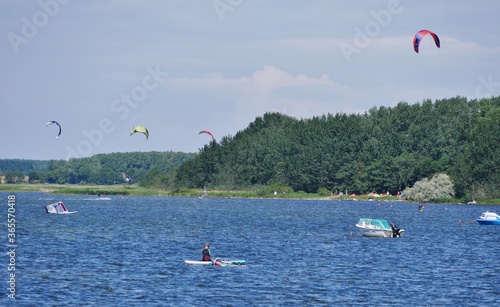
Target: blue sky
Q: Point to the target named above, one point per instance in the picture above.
(178, 67)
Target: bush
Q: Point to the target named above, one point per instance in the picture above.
(324, 192)
(439, 186)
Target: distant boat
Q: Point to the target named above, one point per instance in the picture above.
(58, 208)
(378, 228)
(489, 218)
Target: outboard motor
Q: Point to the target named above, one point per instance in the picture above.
(396, 232)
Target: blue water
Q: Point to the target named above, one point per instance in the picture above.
(130, 251)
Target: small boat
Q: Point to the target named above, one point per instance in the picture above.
(378, 228)
(58, 208)
(217, 262)
(489, 218)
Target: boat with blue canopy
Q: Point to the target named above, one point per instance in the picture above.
(378, 228)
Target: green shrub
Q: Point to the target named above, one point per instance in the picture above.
(438, 187)
(324, 192)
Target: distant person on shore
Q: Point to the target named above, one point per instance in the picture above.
(206, 255)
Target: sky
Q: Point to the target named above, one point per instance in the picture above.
(178, 67)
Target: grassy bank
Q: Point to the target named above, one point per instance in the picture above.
(140, 191)
(81, 189)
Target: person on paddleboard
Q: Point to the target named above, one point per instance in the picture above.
(206, 256)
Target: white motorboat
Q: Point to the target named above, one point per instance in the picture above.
(378, 228)
(489, 218)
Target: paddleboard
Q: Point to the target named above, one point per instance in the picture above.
(224, 262)
(217, 262)
(198, 262)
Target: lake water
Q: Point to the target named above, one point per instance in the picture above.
(130, 251)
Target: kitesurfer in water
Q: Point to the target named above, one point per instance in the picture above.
(206, 256)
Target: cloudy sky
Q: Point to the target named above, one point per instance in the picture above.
(181, 66)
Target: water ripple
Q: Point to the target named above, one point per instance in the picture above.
(129, 251)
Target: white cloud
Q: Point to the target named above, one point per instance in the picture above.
(267, 89)
(267, 79)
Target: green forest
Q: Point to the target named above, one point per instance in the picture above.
(23, 166)
(386, 149)
(102, 169)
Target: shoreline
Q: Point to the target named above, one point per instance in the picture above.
(134, 190)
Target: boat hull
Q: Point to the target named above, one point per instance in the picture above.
(489, 218)
(485, 222)
(376, 233)
(378, 228)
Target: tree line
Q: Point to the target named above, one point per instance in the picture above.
(112, 168)
(386, 149)
(23, 166)
(16, 170)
